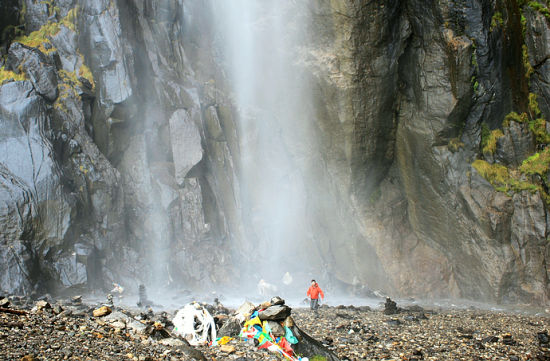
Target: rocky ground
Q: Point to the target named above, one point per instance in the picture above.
(68, 330)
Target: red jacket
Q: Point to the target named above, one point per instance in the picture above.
(314, 291)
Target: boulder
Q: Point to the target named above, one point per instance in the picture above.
(172, 342)
(231, 328)
(275, 313)
(245, 309)
(309, 347)
(276, 329)
(136, 326)
(228, 349)
(117, 316)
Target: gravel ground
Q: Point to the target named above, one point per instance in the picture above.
(64, 331)
(446, 335)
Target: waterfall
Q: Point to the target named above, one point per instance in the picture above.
(260, 42)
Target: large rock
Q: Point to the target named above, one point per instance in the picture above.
(275, 313)
(102, 34)
(38, 68)
(517, 144)
(310, 347)
(32, 204)
(231, 328)
(186, 143)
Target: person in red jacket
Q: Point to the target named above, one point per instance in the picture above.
(313, 292)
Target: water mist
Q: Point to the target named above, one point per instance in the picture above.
(260, 43)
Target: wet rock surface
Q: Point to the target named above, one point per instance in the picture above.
(56, 330)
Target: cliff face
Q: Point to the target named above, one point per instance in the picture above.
(425, 84)
(122, 153)
(114, 158)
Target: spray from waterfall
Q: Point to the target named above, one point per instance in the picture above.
(260, 42)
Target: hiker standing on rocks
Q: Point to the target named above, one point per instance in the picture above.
(313, 292)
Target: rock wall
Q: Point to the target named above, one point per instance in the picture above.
(105, 172)
(121, 147)
(423, 85)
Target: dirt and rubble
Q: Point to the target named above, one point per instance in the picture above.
(68, 330)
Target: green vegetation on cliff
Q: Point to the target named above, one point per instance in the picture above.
(504, 179)
(8, 75)
(514, 117)
(489, 144)
(538, 163)
(455, 145)
(85, 72)
(510, 180)
(496, 20)
(541, 8)
(40, 38)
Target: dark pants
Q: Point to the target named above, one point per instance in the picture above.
(314, 304)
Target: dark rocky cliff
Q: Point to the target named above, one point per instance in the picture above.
(121, 160)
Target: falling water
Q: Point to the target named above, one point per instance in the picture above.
(260, 44)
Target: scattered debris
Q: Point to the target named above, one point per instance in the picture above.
(347, 332)
(195, 324)
(13, 312)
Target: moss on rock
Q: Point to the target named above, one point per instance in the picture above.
(490, 143)
(8, 75)
(538, 163)
(40, 38)
(504, 179)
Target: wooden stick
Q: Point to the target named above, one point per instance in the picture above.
(14, 312)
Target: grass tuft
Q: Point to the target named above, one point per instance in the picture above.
(538, 163)
(490, 145)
